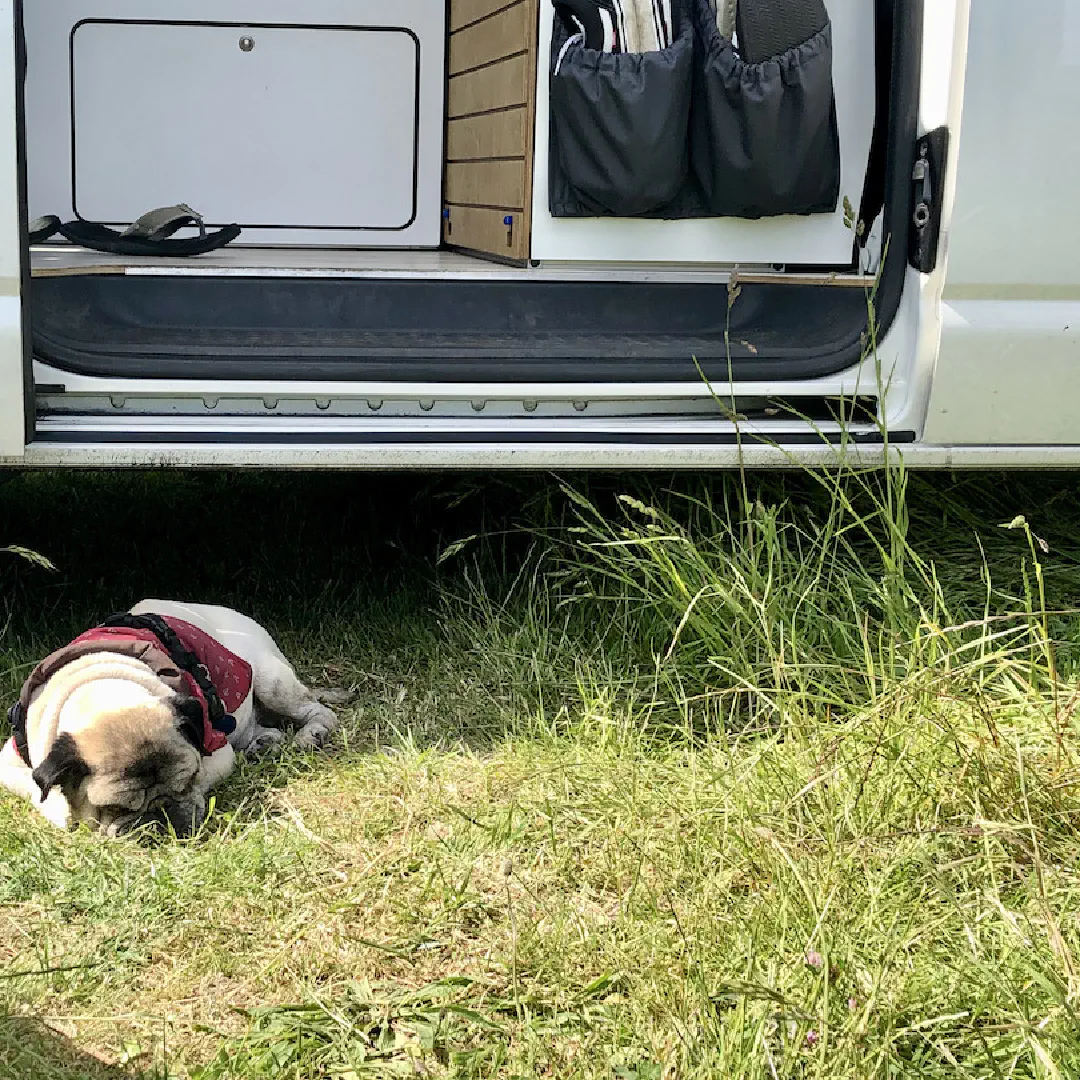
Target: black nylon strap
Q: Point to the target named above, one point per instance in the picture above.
(17, 720)
(40, 229)
(180, 655)
(89, 234)
(873, 195)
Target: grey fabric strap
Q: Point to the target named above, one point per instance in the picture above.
(163, 222)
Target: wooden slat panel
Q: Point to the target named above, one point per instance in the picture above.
(477, 229)
(492, 135)
(491, 113)
(486, 183)
(464, 12)
(534, 51)
(501, 35)
(510, 82)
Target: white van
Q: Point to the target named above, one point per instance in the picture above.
(464, 242)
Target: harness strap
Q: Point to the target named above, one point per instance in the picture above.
(184, 659)
(17, 720)
(153, 643)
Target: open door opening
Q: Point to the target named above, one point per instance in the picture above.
(417, 204)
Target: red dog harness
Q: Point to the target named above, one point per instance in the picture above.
(221, 672)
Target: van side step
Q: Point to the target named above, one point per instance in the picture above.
(389, 433)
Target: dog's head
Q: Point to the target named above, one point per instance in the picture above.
(132, 765)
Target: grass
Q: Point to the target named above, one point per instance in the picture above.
(765, 777)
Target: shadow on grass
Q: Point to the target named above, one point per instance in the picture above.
(31, 1050)
(344, 569)
(340, 568)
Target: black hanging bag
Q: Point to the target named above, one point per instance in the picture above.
(764, 138)
(619, 125)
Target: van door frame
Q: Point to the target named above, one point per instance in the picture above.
(16, 365)
(941, 103)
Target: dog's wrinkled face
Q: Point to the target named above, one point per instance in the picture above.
(131, 767)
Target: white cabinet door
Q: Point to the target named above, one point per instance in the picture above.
(306, 128)
(13, 358)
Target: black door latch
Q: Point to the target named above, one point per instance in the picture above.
(928, 184)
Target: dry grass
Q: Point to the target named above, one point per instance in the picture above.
(532, 855)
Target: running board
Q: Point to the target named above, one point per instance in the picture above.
(274, 432)
(121, 405)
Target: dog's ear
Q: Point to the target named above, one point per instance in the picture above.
(63, 767)
(189, 718)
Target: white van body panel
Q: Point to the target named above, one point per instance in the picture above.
(12, 423)
(1008, 373)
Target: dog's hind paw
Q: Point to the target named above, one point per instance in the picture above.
(266, 741)
(313, 736)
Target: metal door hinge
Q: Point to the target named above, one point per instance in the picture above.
(928, 185)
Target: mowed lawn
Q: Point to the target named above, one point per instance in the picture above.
(668, 777)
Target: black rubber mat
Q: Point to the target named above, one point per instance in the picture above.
(348, 329)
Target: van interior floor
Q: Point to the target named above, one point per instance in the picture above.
(432, 316)
(59, 260)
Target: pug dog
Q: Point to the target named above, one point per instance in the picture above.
(133, 723)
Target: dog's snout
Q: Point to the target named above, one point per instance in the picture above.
(121, 824)
(181, 818)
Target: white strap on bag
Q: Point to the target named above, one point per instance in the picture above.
(574, 39)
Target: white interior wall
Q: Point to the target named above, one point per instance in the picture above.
(163, 118)
(324, 116)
